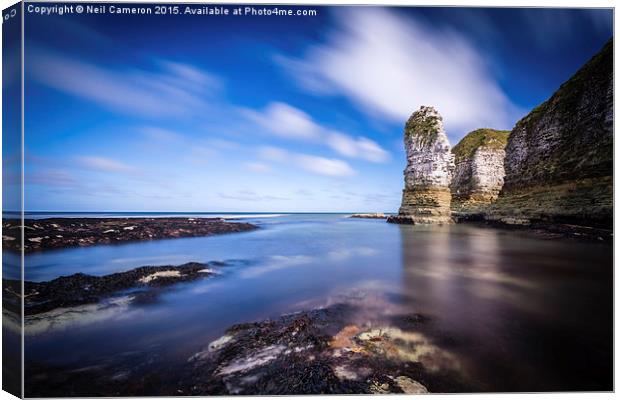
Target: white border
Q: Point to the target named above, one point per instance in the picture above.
(458, 3)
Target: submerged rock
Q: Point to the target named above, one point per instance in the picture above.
(430, 164)
(559, 158)
(479, 173)
(79, 289)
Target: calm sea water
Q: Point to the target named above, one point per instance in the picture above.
(521, 313)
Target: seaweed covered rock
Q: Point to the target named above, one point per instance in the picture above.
(430, 163)
(56, 233)
(559, 158)
(479, 170)
(321, 351)
(79, 288)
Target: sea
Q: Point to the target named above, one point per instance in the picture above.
(518, 311)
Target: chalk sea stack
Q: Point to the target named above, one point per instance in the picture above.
(430, 163)
(479, 172)
(559, 158)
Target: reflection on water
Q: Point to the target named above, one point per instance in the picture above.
(513, 312)
(524, 314)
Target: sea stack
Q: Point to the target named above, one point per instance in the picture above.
(479, 172)
(430, 163)
(559, 158)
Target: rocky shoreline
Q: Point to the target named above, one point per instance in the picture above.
(369, 216)
(56, 233)
(79, 289)
(540, 229)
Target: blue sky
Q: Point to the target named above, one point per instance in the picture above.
(195, 113)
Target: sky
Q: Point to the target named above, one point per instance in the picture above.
(298, 114)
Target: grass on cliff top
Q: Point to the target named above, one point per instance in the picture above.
(426, 127)
(485, 137)
(599, 66)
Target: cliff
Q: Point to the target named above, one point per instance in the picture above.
(559, 158)
(479, 172)
(430, 163)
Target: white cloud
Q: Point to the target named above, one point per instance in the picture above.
(175, 90)
(51, 178)
(287, 121)
(324, 166)
(390, 65)
(283, 120)
(318, 165)
(106, 165)
(190, 76)
(360, 147)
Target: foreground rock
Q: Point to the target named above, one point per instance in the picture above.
(559, 158)
(430, 163)
(318, 352)
(79, 289)
(479, 173)
(54, 233)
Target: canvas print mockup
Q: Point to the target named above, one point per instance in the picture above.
(226, 199)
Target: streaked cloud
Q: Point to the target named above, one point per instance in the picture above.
(104, 164)
(359, 147)
(324, 166)
(315, 164)
(56, 178)
(172, 90)
(286, 121)
(188, 76)
(389, 65)
(289, 122)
